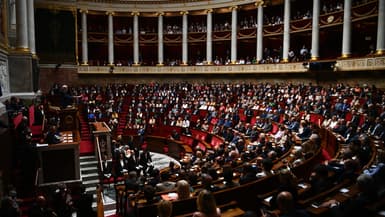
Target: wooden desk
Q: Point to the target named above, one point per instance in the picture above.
(60, 162)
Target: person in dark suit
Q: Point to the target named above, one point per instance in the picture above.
(121, 165)
(84, 204)
(287, 207)
(306, 131)
(107, 167)
(248, 174)
(53, 136)
(39, 115)
(378, 130)
(40, 208)
(175, 135)
(131, 182)
(145, 160)
(293, 125)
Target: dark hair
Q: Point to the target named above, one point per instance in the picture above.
(267, 164)
(149, 193)
(206, 202)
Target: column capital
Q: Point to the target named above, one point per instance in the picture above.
(135, 13)
(183, 12)
(160, 13)
(208, 11)
(234, 7)
(83, 11)
(259, 3)
(110, 13)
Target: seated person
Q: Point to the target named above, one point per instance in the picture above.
(165, 184)
(228, 176)
(175, 135)
(267, 166)
(248, 174)
(206, 205)
(164, 208)
(53, 136)
(183, 189)
(286, 206)
(356, 206)
(319, 181)
(149, 194)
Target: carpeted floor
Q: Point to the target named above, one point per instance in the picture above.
(86, 144)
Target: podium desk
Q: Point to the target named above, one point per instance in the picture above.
(59, 163)
(102, 135)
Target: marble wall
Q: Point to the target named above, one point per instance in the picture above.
(4, 74)
(20, 73)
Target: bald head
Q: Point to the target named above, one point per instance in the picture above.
(285, 201)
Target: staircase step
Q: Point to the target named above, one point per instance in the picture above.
(89, 176)
(91, 189)
(88, 169)
(91, 182)
(88, 163)
(87, 158)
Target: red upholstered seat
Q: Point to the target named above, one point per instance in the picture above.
(187, 140)
(316, 119)
(274, 130)
(17, 120)
(36, 130)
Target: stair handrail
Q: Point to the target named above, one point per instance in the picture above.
(100, 201)
(37, 176)
(99, 155)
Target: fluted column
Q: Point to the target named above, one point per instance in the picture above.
(260, 32)
(110, 38)
(136, 38)
(234, 34)
(84, 37)
(347, 30)
(380, 48)
(286, 32)
(160, 39)
(184, 38)
(31, 26)
(209, 37)
(315, 31)
(21, 26)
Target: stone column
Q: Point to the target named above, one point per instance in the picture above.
(136, 38)
(380, 48)
(184, 38)
(286, 32)
(21, 26)
(347, 30)
(110, 38)
(209, 37)
(160, 39)
(234, 28)
(260, 32)
(31, 26)
(84, 38)
(315, 31)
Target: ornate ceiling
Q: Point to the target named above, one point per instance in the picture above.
(151, 5)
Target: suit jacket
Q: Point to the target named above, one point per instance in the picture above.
(306, 133)
(39, 117)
